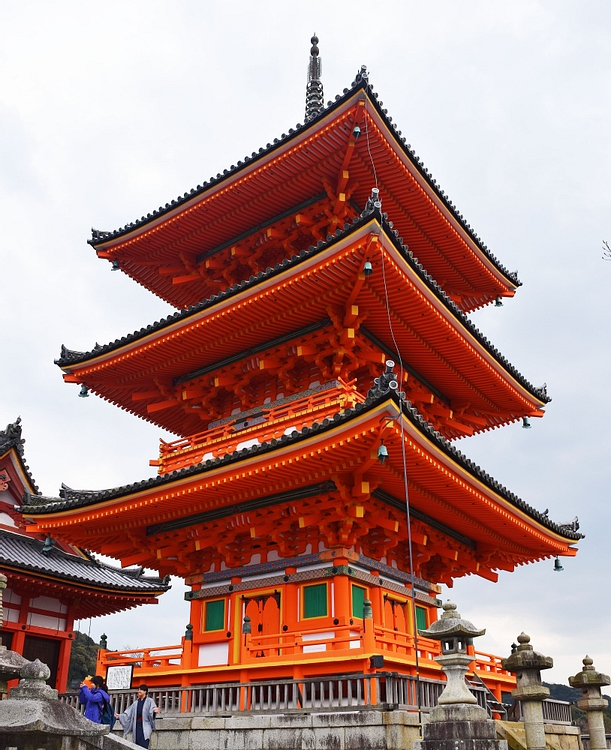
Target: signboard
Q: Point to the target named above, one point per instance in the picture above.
(119, 677)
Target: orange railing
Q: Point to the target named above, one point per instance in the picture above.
(321, 644)
(271, 421)
(400, 642)
(489, 664)
(161, 657)
(304, 643)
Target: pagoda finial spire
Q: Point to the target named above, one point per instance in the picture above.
(314, 92)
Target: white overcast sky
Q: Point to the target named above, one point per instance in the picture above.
(109, 110)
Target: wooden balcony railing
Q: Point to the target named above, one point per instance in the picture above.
(346, 692)
(325, 641)
(380, 691)
(489, 663)
(260, 425)
(554, 712)
(162, 657)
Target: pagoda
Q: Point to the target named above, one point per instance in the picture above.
(52, 583)
(318, 369)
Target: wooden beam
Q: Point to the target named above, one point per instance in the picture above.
(160, 405)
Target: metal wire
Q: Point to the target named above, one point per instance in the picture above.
(403, 454)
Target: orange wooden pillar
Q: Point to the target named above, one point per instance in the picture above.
(368, 631)
(289, 616)
(342, 607)
(63, 663)
(377, 605)
(234, 625)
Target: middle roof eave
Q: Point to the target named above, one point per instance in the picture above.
(377, 403)
(74, 363)
(184, 210)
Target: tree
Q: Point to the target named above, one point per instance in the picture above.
(82, 659)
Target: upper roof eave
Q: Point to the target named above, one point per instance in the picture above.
(375, 399)
(105, 240)
(69, 359)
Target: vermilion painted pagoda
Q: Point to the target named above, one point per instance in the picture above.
(52, 583)
(313, 498)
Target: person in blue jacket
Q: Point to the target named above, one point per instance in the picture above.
(94, 699)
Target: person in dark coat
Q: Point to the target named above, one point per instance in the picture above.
(139, 719)
(94, 699)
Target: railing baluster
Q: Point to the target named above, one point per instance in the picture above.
(338, 692)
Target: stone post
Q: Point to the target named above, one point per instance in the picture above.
(590, 681)
(527, 664)
(457, 721)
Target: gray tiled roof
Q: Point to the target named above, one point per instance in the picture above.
(68, 357)
(23, 552)
(74, 498)
(361, 82)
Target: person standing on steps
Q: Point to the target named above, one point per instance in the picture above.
(139, 719)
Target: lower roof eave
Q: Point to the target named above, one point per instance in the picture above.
(551, 539)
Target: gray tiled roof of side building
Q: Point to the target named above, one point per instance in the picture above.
(23, 552)
(11, 438)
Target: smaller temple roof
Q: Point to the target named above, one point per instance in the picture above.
(18, 551)
(27, 556)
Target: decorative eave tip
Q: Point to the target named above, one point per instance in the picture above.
(11, 437)
(315, 101)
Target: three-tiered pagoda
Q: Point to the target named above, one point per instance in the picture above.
(316, 373)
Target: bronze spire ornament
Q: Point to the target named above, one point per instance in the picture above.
(314, 91)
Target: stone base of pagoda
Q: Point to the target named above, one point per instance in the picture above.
(374, 730)
(464, 726)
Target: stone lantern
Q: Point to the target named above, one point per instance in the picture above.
(590, 681)
(454, 633)
(457, 720)
(526, 664)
